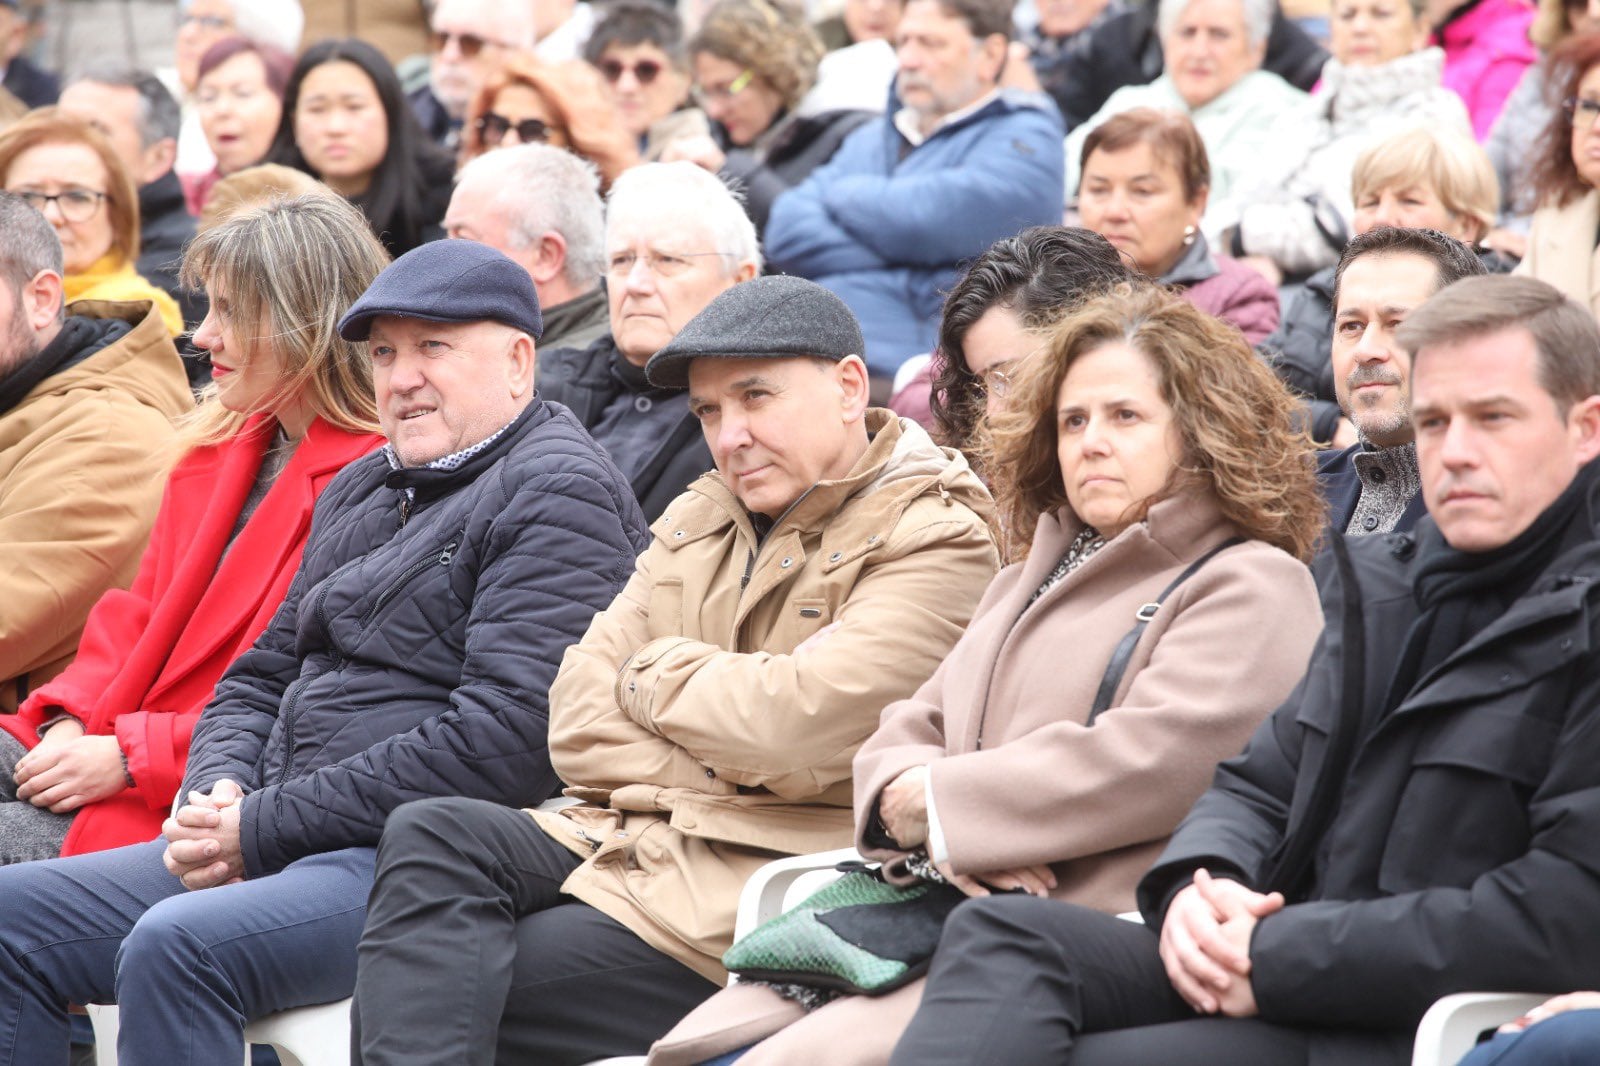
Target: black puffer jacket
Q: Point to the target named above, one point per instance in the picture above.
(1301, 352)
(413, 655)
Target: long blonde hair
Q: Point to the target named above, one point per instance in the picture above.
(1235, 418)
(290, 269)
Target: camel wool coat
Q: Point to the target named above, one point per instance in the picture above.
(1017, 775)
(1562, 249)
(703, 732)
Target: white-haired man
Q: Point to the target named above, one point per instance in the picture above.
(469, 40)
(675, 239)
(540, 207)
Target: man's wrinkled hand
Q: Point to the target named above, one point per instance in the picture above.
(1202, 961)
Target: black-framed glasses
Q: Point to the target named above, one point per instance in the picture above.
(75, 205)
(645, 71)
(1581, 111)
(470, 44)
(493, 128)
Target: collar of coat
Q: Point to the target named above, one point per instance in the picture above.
(430, 482)
(901, 457)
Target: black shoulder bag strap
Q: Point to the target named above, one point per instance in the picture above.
(1119, 658)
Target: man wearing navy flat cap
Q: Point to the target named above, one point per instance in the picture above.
(707, 719)
(443, 579)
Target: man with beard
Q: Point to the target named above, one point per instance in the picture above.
(1372, 486)
(86, 402)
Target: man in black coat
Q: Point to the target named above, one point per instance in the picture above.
(1418, 819)
(443, 579)
(1372, 484)
(19, 75)
(675, 239)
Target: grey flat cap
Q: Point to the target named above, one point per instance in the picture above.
(766, 318)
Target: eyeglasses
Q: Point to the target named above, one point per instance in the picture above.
(999, 377)
(75, 205)
(492, 128)
(733, 88)
(661, 264)
(645, 71)
(1581, 111)
(206, 22)
(469, 44)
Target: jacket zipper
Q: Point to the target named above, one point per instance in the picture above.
(442, 559)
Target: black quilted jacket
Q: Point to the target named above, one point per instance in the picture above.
(414, 651)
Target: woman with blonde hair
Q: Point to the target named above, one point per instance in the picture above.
(290, 405)
(68, 171)
(562, 105)
(1161, 509)
(1420, 178)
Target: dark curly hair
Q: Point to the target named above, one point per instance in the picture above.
(1555, 176)
(1040, 274)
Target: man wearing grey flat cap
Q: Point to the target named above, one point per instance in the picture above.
(443, 578)
(706, 721)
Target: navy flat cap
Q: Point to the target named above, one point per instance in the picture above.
(764, 318)
(448, 281)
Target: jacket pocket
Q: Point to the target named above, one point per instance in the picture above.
(666, 608)
(800, 619)
(1464, 808)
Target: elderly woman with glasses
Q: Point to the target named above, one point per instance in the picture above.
(68, 171)
(1562, 244)
(754, 62)
(562, 105)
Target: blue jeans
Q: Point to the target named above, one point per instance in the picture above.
(188, 969)
(1570, 1039)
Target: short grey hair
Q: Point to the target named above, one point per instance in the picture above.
(28, 244)
(160, 117)
(688, 192)
(1257, 17)
(540, 189)
(276, 22)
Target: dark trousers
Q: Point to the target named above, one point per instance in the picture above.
(1021, 980)
(472, 955)
(188, 969)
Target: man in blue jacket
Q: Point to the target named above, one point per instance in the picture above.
(443, 579)
(954, 165)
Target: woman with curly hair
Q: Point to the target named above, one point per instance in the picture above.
(1146, 467)
(1566, 178)
(559, 104)
(992, 319)
(754, 62)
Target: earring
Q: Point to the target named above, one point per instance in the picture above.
(1188, 236)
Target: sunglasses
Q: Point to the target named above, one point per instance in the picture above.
(645, 71)
(469, 44)
(492, 128)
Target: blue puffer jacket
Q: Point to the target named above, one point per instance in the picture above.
(887, 226)
(413, 654)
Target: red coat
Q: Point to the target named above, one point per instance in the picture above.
(151, 656)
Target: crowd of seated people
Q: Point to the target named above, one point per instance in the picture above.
(1093, 458)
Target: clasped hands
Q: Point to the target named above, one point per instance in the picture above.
(1205, 943)
(203, 838)
(903, 809)
(67, 770)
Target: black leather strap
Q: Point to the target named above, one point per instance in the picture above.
(1119, 658)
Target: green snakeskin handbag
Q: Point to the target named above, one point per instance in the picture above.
(860, 934)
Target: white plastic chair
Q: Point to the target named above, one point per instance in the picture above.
(1451, 1027)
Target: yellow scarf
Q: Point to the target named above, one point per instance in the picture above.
(112, 277)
